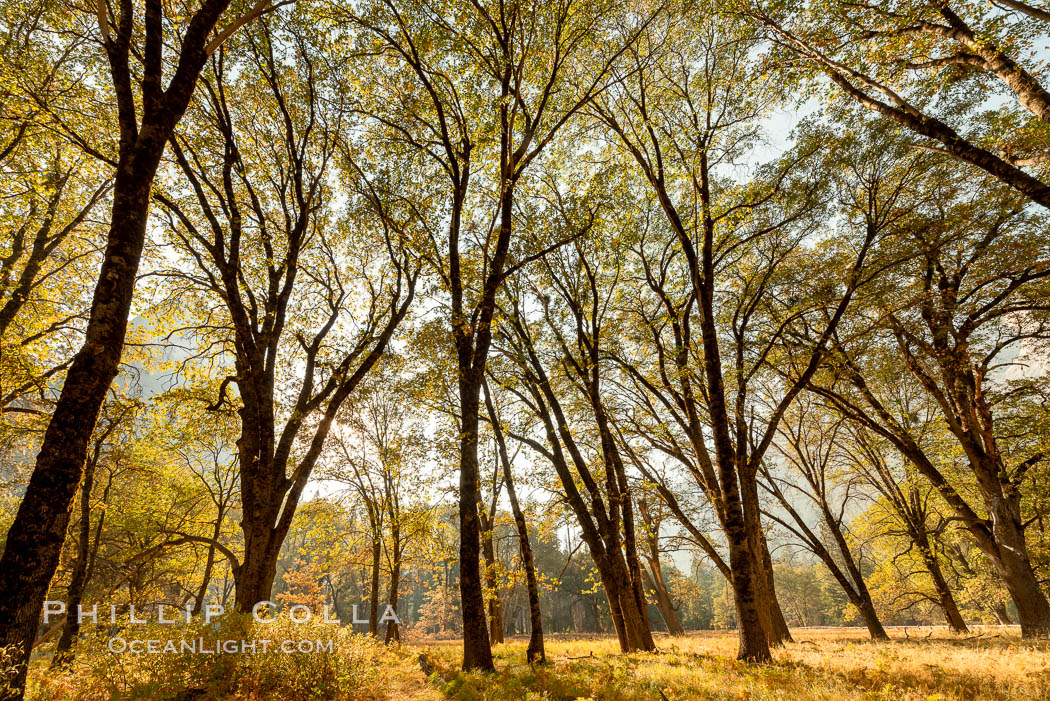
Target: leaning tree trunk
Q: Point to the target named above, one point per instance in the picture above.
(34, 541)
(535, 652)
(209, 568)
(1001, 614)
(1015, 568)
(944, 593)
(663, 599)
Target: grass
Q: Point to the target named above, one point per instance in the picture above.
(820, 664)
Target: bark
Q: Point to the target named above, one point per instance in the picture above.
(769, 611)
(477, 649)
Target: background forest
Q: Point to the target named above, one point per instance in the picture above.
(524, 317)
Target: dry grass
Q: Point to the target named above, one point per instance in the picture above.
(821, 664)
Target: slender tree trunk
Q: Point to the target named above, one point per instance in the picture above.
(78, 580)
(393, 631)
(1001, 614)
(535, 653)
(663, 599)
(864, 603)
(494, 604)
(209, 567)
(944, 592)
(373, 590)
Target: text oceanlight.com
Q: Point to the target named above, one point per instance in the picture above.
(200, 646)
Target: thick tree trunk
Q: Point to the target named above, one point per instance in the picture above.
(477, 649)
(1015, 568)
(770, 614)
(34, 541)
(255, 575)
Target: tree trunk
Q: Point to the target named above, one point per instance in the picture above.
(393, 631)
(209, 567)
(477, 649)
(1001, 614)
(777, 631)
(656, 582)
(944, 594)
(1015, 568)
(34, 541)
(254, 576)
(78, 580)
(373, 591)
(754, 645)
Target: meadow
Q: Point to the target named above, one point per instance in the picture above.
(923, 664)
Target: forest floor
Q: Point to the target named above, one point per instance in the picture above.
(917, 663)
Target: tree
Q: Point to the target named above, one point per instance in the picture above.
(684, 120)
(652, 517)
(973, 287)
(534, 653)
(542, 62)
(561, 367)
(811, 445)
(35, 538)
(916, 62)
(310, 296)
(908, 501)
(379, 453)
